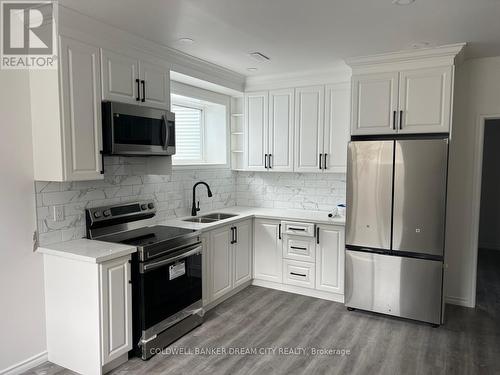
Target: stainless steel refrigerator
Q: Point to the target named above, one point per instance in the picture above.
(395, 227)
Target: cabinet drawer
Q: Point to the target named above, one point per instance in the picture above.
(298, 229)
(298, 273)
(299, 248)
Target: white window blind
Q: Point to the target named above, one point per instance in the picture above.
(188, 134)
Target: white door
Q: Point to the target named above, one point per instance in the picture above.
(256, 130)
(330, 259)
(267, 251)
(425, 100)
(242, 251)
(337, 127)
(374, 103)
(155, 85)
(116, 305)
(120, 78)
(81, 96)
(281, 105)
(220, 262)
(309, 121)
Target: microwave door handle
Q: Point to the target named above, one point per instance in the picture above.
(164, 132)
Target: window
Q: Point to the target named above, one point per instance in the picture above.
(200, 131)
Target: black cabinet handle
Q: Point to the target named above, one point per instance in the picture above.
(138, 97)
(320, 155)
(143, 82)
(270, 164)
(297, 274)
(299, 229)
(401, 120)
(317, 235)
(279, 232)
(232, 235)
(265, 162)
(324, 164)
(394, 114)
(102, 161)
(298, 248)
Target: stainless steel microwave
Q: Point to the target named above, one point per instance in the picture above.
(129, 129)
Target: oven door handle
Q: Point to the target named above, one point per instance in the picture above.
(151, 266)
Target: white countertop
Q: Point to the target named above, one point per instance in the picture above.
(97, 251)
(319, 217)
(87, 250)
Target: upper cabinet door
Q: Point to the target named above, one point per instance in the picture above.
(81, 97)
(256, 129)
(120, 75)
(281, 104)
(337, 134)
(425, 100)
(309, 123)
(374, 103)
(155, 85)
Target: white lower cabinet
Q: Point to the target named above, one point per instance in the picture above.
(330, 259)
(229, 259)
(88, 313)
(267, 250)
(298, 273)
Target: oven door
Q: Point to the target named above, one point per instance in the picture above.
(171, 289)
(136, 130)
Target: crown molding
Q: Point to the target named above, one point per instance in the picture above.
(338, 73)
(449, 51)
(80, 26)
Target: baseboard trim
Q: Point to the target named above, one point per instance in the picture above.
(25, 365)
(299, 290)
(459, 301)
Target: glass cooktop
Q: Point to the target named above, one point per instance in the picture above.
(147, 235)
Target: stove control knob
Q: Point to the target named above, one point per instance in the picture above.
(151, 206)
(107, 213)
(97, 214)
(144, 206)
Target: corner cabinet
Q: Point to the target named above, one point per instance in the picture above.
(229, 259)
(408, 92)
(66, 115)
(88, 313)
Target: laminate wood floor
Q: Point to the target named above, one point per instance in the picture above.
(468, 343)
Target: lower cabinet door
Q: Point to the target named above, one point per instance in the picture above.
(268, 250)
(298, 273)
(330, 259)
(242, 251)
(221, 262)
(116, 308)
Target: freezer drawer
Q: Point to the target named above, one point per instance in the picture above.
(406, 287)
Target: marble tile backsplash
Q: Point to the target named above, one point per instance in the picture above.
(125, 180)
(307, 191)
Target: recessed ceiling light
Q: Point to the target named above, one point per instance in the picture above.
(185, 40)
(259, 56)
(403, 2)
(252, 69)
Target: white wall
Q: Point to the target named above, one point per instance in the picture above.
(477, 94)
(489, 222)
(22, 319)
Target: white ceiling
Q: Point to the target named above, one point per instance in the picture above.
(300, 34)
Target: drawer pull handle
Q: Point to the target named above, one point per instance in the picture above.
(299, 229)
(298, 248)
(298, 274)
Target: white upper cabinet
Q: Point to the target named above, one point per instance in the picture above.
(337, 120)
(425, 100)
(374, 103)
(406, 92)
(132, 80)
(155, 85)
(120, 78)
(257, 130)
(280, 151)
(66, 115)
(309, 127)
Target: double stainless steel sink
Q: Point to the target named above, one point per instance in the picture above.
(211, 218)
